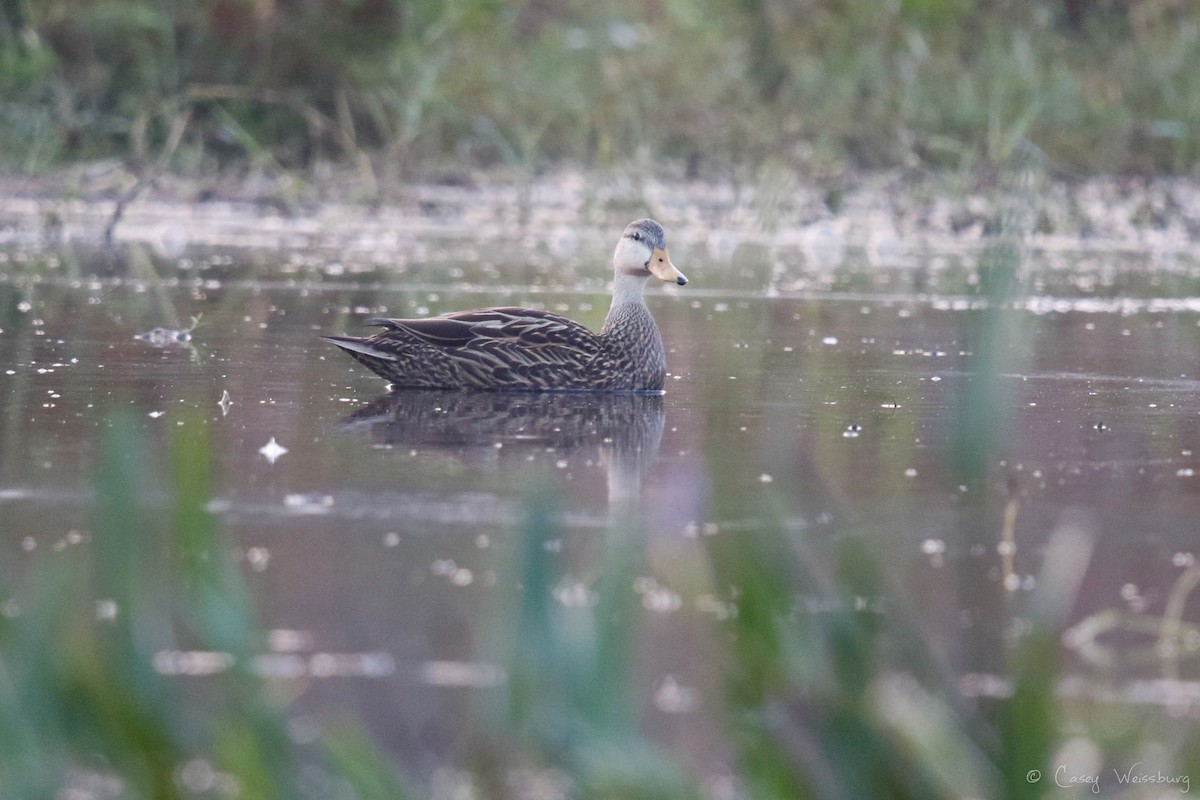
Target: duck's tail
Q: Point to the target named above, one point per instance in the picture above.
(355, 344)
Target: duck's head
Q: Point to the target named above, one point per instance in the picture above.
(642, 252)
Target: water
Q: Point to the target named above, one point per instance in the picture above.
(382, 538)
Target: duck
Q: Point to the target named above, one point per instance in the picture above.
(523, 349)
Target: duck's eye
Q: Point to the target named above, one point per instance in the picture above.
(637, 237)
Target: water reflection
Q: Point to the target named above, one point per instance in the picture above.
(507, 427)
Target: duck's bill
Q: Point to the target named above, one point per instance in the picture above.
(662, 268)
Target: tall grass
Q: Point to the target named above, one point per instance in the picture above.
(570, 702)
(83, 706)
(400, 89)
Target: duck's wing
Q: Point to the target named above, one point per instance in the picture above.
(518, 327)
(517, 347)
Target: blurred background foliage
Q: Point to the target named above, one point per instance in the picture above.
(405, 87)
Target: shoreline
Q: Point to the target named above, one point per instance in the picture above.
(892, 214)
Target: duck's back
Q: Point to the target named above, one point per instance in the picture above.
(494, 348)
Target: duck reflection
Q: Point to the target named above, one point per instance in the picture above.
(624, 428)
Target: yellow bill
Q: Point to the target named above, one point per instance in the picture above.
(662, 268)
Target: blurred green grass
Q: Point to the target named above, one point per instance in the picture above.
(846, 698)
(85, 711)
(409, 88)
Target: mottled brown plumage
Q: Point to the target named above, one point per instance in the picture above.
(524, 349)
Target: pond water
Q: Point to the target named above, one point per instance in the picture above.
(384, 538)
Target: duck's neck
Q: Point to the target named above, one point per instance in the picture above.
(631, 339)
(627, 293)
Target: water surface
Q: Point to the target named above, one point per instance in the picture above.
(383, 538)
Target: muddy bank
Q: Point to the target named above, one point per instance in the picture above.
(892, 215)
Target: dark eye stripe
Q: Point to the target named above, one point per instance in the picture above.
(638, 236)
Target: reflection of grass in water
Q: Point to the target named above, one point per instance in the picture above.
(80, 699)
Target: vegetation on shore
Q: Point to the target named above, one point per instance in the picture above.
(403, 89)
